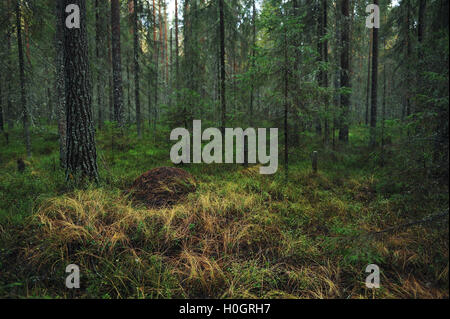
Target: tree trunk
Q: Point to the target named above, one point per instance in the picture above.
(81, 152)
(1, 106)
(50, 104)
(2, 124)
(420, 50)
(110, 75)
(345, 72)
(253, 61)
(324, 75)
(59, 83)
(222, 65)
(383, 107)
(99, 52)
(176, 50)
(285, 93)
(368, 80)
(296, 82)
(373, 107)
(116, 62)
(320, 32)
(187, 56)
(161, 39)
(9, 109)
(421, 21)
(166, 54)
(336, 80)
(25, 115)
(156, 60)
(136, 69)
(170, 59)
(408, 58)
(150, 68)
(127, 63)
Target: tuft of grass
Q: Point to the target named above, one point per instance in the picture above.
(239, 235)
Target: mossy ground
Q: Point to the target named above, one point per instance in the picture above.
(239, 235)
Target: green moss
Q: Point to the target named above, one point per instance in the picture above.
(296, 239)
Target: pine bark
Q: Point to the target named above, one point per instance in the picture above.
(23, 99)
(116, 62)
(128, 87)
(336, 77)
(253, 61)
(81, 160)
(2, 128)
(187, 55)
(2, 123)
(324, 58)
(100, 53)
(318, 9)
(150, 44)
(368, 80)
(59, 83)
(285, 93)
(383, 107)
(421, 21)
(10, 114)
(420, 49)
(374, 89)
(166, 54)
(110, 73)
(408, 57)
(176, 48)
(222, 65)
(345, 71)
(157, 48)
(49, 104)
(136, 67)
(296, 82)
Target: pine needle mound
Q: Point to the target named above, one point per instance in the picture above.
(162, 186)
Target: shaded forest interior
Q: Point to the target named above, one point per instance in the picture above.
(363, 148)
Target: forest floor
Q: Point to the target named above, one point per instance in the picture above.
(238, 235)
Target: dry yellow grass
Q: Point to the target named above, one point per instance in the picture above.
(220, 242)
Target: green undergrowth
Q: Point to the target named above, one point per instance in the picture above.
(239, 235)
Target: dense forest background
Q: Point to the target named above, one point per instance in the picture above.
(84, 112)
